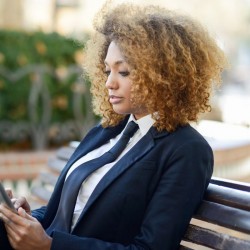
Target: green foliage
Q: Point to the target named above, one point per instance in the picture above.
(21, 48)
(21, 55)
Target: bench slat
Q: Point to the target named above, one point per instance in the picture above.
(48, 178)
(64, 153)
(184, 248)
(231, 184)
(214, 240)
(225, 216)
(42, 194)
(228, 196)
(56, 164)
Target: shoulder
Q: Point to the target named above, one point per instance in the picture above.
(188, 134)
(186, 139)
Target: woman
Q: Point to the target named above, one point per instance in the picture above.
(159, 68)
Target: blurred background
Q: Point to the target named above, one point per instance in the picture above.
(44, 96)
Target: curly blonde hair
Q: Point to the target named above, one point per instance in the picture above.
(175, 63)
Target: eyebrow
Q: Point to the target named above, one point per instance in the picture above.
(116, 62)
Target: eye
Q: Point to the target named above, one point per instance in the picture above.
(124, 73)
(107, 72)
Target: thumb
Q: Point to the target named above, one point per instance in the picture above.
(25, 215)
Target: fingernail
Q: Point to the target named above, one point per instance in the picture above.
(23, 211)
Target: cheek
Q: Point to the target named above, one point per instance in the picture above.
(127, 88)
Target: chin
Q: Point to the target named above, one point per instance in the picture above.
(121, 112)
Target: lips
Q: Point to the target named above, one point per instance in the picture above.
(115, 99)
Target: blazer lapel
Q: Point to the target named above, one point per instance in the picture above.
(94, 139)
(139, 150)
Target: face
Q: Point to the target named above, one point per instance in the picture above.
(119, 83)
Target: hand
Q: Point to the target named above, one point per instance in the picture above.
(24, 231)
(19, 202)
(9, 192)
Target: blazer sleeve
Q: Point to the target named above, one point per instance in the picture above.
(39, 213)
(184, 179)
(177, 196)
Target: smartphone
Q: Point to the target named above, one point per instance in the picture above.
(4, 198)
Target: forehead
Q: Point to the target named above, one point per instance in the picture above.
(114, 54)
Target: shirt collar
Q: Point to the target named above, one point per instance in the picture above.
(144, 123)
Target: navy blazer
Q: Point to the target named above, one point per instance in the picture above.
(146, 200)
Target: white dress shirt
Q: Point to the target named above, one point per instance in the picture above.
(91, 182)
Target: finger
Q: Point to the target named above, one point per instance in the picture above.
(5, 219)
(13, 200)
(12, 236)
(25, 215)
(22, 202)
(9, 192)
(9, 215)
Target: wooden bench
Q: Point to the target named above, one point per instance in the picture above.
(222, 221)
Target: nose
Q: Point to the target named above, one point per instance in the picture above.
(111, 82)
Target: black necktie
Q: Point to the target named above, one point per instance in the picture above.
(63, 218)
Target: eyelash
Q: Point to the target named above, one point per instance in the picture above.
(123, 73)
(107, 72)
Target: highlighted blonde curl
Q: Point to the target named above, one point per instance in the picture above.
(175, 63)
